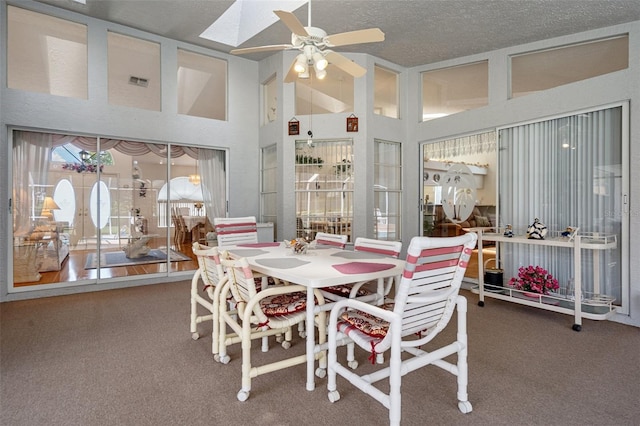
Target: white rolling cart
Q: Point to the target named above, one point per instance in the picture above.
(594, 305)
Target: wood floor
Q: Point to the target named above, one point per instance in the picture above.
(73, 267)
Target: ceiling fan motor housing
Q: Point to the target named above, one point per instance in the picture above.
(315, 36)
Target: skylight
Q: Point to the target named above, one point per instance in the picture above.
(246, 18)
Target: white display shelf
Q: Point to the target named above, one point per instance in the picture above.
(593, 306)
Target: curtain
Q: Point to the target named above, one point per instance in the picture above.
(565, 172)
(30, 167)
(467, 145)
(211, 164)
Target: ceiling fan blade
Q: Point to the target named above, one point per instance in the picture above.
(345, 64)
(260, 49)
(355, 37)
(292, 75)
(290, 20)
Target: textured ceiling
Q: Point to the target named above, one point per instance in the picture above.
(417, 32)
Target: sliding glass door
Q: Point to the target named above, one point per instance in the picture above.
(570, 172)
(87, 209)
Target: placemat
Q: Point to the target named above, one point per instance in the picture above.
(362, 267)
(284, 263)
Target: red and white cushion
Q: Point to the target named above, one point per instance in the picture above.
(366, 323)
(284, 304)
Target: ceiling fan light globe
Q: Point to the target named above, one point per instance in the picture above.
(321, 74)
(319, 61)
(304, 74)
(301, 64)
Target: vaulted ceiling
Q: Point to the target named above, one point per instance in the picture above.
(417, 32)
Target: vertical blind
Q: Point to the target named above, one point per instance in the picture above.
(565, 172)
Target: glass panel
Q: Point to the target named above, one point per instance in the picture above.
(333, 94)
(324, 187)
(46, 54)
(536, 71)
(387, 190)
(202, 85)
(451, 90)
(566, 172)
(269, 208)
(455, 158)
(82, 204)
(385, 94)
(270, 99)
(134, 72)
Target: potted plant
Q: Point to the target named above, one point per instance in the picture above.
(534, 280)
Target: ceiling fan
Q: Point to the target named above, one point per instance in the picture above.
(315, 44)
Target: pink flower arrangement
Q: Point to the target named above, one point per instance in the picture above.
(534, 279)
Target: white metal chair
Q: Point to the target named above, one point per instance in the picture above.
(236, 230)
(267, 312)
(212, 275)
(426, 298)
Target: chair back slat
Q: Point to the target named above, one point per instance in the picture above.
(386, 248)
(430, 283)
(335, 240)
(209, 263)
(239, 230)
(242, 285)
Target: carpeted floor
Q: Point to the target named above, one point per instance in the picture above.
(110, 259)
(126, 357)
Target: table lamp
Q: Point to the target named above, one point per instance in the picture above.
(48, 206)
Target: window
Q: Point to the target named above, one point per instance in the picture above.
(268, 184)
(536, 71)
(324, 187)
(202, 85)
(451, 90)
(387, 190)
(385, 93)
(46, 54)
(133, 72)
(333, 94)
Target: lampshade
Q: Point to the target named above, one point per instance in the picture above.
(48, 205)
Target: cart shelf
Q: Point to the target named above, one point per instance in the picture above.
(593, 306)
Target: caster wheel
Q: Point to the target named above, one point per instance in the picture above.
(195, 336)
(216, 358)
(334, 396)
(303, 334)
(576, 327)
(465, 407)
(321, 373)
(279, 338)
(352, 364)
(286, 344)
(225, 359)
(481, 303)
(243, 395)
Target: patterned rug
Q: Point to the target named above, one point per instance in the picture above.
(111, 259)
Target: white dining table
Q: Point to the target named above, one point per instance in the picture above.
(322, 266)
